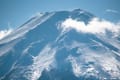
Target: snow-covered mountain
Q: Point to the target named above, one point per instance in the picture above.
(62, 45)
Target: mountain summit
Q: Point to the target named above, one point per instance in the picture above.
(62, 45)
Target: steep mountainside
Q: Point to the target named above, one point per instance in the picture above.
(44, 49)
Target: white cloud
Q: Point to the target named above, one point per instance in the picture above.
(111, 10)
(4, 33)
(94, 26)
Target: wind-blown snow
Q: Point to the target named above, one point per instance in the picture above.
(94, 26)
(25, 51)
(41, 62)
(4, 33)
(8, 47)
(27, 27)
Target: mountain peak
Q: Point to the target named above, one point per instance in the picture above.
(42, 50)
(78, 9)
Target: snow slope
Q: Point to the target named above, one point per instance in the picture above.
(62, 45)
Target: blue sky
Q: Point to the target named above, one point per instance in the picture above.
(13, 13)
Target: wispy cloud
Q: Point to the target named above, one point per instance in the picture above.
(111, 11)
(95, 26)
(4, 33)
